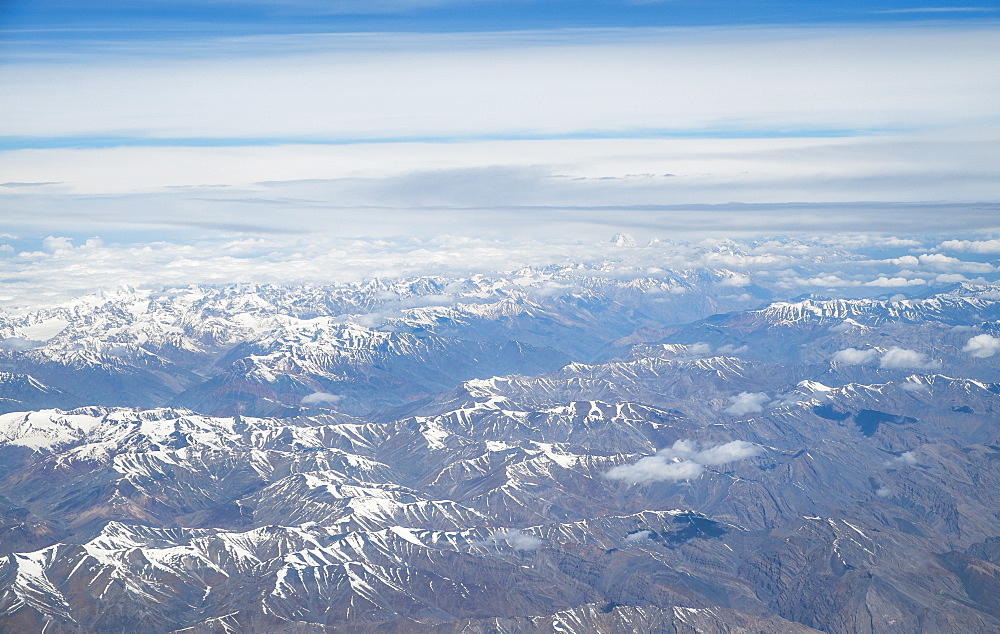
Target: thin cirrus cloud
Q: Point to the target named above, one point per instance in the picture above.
(633, 83)
(544, 139)
(569, 126)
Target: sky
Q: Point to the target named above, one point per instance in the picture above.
(139, 123)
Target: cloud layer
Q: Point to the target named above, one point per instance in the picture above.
(342, 87)
(298, 133)
(58, 266)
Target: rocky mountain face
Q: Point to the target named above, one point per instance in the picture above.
(541, 452)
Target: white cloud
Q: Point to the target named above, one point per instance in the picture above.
(685, 460)
(517, 539)
(906, 459)
(453, 88)
(906, 260)
(700, 348)
(972, 246)
(736, 280)
(893, 282)
(715, 455)
(638, 536)
(746, 403)
(982, 346)
(731, 349)
(950, 278)
(53, 244)
(44, 278)
(892, 241)
(883, 492)
(656, 469)
(845, 326)
(943, 262)
(854, 356)
(903, 359)
(828, 281)
(913, 384)
(455, 84)
(317, 398)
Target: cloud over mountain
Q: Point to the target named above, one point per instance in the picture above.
(982, 346)
(685, 460)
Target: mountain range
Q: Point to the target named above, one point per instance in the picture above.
(541, 451)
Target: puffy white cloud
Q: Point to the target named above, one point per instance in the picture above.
(828, 281)
(906, 459)
(700, 348)
(906, 260)
(746, 403)
(53, 244)
(317, 398)
(903, 359)
(685, 460)
(736, 280)
(884, 492)
(894, 282)
(943, 262)
(656, 469)
(711, 456)
(854, 356)
(971, 246)
(950, 278)
(982, 346)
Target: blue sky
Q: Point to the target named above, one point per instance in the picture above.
(127, 18)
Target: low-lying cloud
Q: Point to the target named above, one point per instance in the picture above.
(982, 346)
(638, 536)
(854, 356)
(747, 403)
(903, 359)
(971, 246)
(894, 358)
(685, 460)
(46, 272)
(320, 398)
(906, 459)
(517, 539)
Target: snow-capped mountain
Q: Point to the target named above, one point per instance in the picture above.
(274, 350)
(516, 454)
